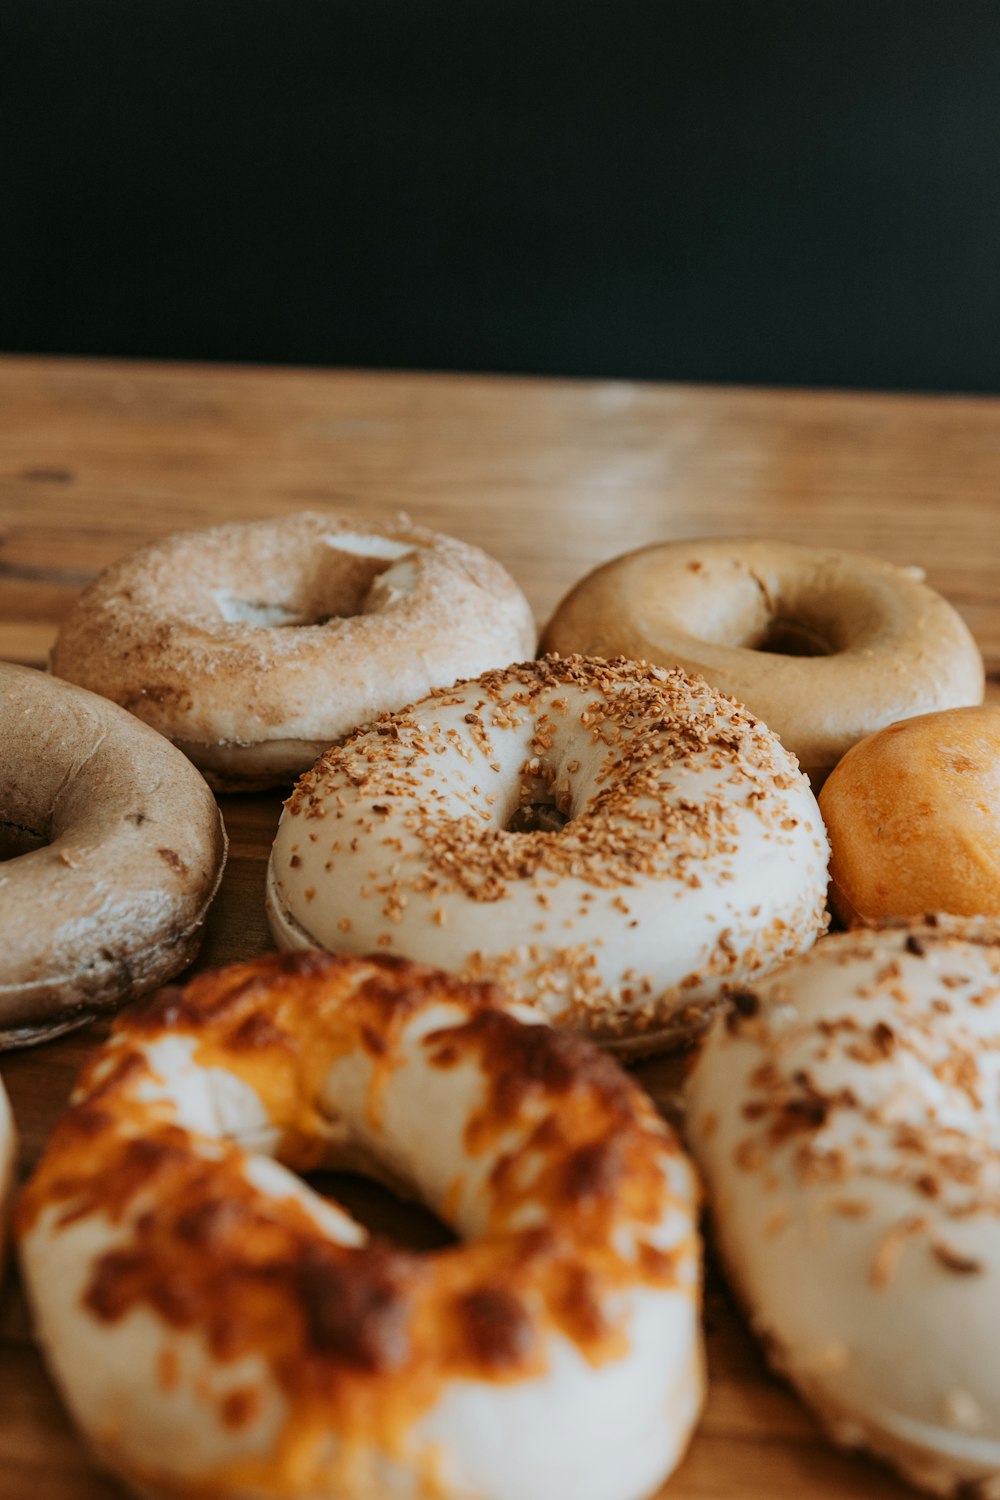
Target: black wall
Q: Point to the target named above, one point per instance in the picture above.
(741, 190)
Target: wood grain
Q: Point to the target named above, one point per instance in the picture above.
(551, 477)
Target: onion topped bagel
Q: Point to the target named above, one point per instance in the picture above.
(111, 849)
(219, 1329)
(846, 1118)
(825, 646)
(613, 842)
(254, 646)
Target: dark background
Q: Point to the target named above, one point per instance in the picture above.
(779, 191)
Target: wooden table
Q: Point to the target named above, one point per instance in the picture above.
(551, 477)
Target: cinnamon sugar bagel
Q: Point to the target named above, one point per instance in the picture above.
(846, 1119)
(613, 842)
(111, 849)
(825, 646)
(254, 646)
(219, 1329)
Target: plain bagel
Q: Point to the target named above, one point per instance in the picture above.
(114, 847)
(913, 817)
(846, 1119)
(253, 646)
(612, 842)
(220, 1329)
(824, 646)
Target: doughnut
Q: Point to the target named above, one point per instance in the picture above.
(111, 849)
(846, 1120)
(612, 842)
(824, 646)
(913, 816)
(254, 646)
(219, 1329)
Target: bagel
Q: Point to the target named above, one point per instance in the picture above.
(824, 646)
(846, 1119)
(219, 1329)
(612, 842)
(254, 646)
(913, 816)
(114, 847)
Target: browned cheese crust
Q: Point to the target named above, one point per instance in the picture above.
(360, 1339)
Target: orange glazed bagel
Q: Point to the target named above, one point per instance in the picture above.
(824, 646)
(254, 646)
(115, 849)
(913, 815)
(220, 1330)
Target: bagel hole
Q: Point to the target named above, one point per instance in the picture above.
(265, 614)
(783, 637)
(335, 582)
(544, 800)
(404, 1221)
(537, 817)
(16, 839)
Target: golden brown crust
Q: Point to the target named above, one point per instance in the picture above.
(825, 646)
(913, 815)
(358, 1338)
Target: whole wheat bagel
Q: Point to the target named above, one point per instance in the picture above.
(115, 849)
